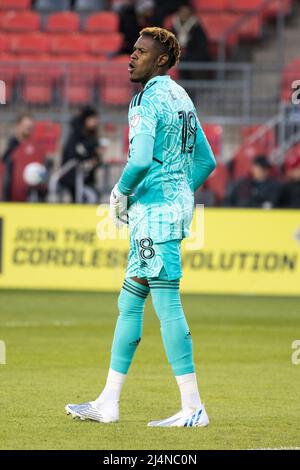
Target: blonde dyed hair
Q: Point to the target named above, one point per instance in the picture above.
(167, 39)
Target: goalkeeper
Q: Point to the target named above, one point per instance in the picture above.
(169, 158)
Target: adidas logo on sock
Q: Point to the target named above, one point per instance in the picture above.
(135, 343)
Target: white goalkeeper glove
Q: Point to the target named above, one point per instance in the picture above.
(118, 207)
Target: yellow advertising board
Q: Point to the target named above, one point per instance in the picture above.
(74, 247)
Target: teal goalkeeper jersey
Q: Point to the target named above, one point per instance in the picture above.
(163, 201)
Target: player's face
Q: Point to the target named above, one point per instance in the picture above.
(145, 61)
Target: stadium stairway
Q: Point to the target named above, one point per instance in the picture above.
(267, 53)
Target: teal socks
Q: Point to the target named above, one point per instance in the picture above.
(175, 332)
(129, 326)
(173, 325)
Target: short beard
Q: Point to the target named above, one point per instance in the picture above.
(135, 80)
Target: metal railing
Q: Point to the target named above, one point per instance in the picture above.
(226, 90)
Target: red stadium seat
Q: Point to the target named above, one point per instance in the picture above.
(243, 158)
(4, 43)
(63, 22)
(41, 65)
(116, 95)
(20, 22)
(284, 6)
(29, 44)
(218, 180)
(245, 5)
(104, 22)
(37, 86)
(115, 88)
(267, 142)
(252, 29)
(76, 95)
(291, 158)
(15, 4)
(211, 5)
(39, 76)
(78, 87)
(9, 72)
(216, 26)
(105, 43)
(214, 135)
(73, 44)
(37, 92)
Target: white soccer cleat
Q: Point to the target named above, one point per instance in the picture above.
(89, 411)
(184, 419)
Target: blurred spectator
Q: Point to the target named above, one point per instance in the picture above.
(191, 36)
(290, 193)
(260, 189)
(164, 8)
(23, 130)
(83, 146)
(117, 5)
(134, 16)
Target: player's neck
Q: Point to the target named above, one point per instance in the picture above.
(155, 75)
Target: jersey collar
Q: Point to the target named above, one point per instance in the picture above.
(157, 78)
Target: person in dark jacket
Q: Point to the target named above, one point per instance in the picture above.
(23, 130)
(134, 16)
(192, 39)
(260, 189)
(164, 8)
(290, 193)
(83, 146)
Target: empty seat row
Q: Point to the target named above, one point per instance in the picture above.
(245, 6)
(43, 82)
(57, 45)
(64, 22)
(15, 5)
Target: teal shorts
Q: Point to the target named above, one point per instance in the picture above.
(146, 259)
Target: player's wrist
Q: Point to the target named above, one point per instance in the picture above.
(116, 192)
(122, 190)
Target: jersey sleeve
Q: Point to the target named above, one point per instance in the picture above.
(143, 119)
(204, 160)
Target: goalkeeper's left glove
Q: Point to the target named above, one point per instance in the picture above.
(118, 207)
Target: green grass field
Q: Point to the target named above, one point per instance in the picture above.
(58, 347)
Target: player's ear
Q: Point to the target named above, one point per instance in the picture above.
(163, 60)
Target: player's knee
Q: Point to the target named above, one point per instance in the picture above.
(167, 309)
(128, 306)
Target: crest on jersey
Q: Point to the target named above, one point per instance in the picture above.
(135, 120)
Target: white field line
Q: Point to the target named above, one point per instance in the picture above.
(278, 448)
